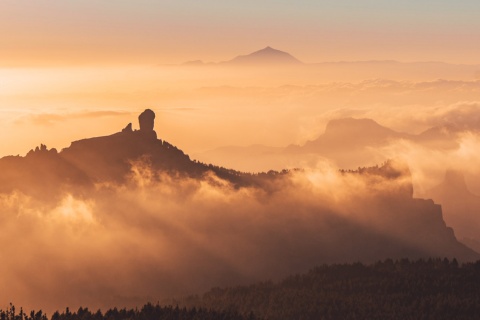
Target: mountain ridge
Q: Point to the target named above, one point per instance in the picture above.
(461, 206)
(340, 138)
(267, 56)
(404, 225)
(285, 57)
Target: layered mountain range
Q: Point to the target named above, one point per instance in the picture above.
(267, 56)
(461, 207)
(379, 220)
(348, 142)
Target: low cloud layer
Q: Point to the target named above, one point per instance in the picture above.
(48, 119)
(160, 236)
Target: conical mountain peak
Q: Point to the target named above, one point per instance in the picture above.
(267, 55)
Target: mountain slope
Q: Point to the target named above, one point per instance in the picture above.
(381, 219)
(385, 290)
(349, 132)
(265, 56)
(461, 207)
(348, 142)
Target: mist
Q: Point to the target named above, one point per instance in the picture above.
(290, 106)
(159, 236)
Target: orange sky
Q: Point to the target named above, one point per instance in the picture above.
(84, 68)
(75, 69)
(54, 32)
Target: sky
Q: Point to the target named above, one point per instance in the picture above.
(76, 69)
(55, 32)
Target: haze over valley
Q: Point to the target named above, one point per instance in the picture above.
(273, 160)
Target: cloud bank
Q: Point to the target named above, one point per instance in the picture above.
(160, 236)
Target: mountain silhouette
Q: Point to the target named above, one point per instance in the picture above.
(461, 207)
(361, 133)
(343, 140)
(348, 142)
(404, 226)
(265, 56)
(43, 172)
(350, 132)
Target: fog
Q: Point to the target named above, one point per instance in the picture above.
(160, 236)
(274, 106)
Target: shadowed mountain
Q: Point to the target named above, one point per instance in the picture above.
(395, 290)
(442, 136)
(403, 226)
(342, 140)
(461, 207)
(297, 70)
(41, 173)
(472, 243)
(45, 173)
(264, 57)
(348, 142)
(350, 133)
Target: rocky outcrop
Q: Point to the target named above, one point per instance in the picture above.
(387, 220)
(461, 207)
(42, 149)
(147, 121)
(128, 128)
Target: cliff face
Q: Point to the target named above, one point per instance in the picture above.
(41, 173)
(377, 218)
(109, 158)
(420, 223)
(417, 224)
(461, 207)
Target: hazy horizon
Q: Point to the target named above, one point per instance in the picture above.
(369, 111)
(55, 32)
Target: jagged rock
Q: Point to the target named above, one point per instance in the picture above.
(146, 120)
(41, 150)
(461, 206)
(386, 220)
(128, 128)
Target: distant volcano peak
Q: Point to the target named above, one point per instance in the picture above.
(269, 49)
(267, 55)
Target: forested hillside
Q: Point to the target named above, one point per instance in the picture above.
(147, 312)
(402, 289)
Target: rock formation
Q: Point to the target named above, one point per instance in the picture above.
(387, 221)
(461, 206)
(128, 128)
(146, 121)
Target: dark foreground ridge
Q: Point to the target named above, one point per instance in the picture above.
(147, 312)
(435, 289)
(403, 289)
